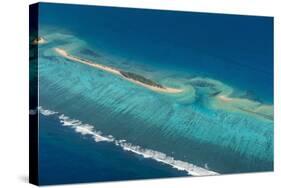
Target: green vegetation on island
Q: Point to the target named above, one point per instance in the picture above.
(140, 78)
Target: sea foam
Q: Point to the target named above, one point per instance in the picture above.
(46, 112)
(87, 129)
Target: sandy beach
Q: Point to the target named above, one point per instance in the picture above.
(64, 54)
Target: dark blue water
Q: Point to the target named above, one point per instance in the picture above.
(68, 157)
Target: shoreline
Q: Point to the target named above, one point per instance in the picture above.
(117, 72)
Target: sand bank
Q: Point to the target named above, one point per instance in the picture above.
(220, 96)
(244, 105)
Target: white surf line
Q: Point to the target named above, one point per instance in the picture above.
(87, 129)
(163, 158)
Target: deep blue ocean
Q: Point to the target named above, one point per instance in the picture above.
(166, 46)
(68, 157)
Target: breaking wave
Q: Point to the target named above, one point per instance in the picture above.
(87, 129)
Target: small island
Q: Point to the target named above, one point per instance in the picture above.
(132, 77)
(38, 40)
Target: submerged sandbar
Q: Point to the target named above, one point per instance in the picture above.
(243, 105)
(220, 96)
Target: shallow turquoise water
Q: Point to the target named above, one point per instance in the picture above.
(127, 111)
